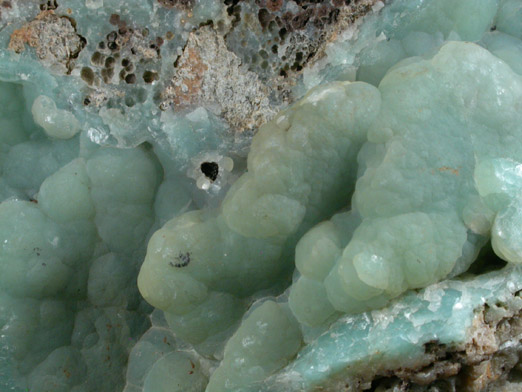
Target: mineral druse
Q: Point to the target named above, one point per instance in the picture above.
(260, 196)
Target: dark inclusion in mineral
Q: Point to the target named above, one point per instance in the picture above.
(210, 170)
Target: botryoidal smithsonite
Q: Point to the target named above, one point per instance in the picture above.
(351, 238)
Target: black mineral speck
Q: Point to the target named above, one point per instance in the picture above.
(210, 170)
(125, 62)
(282, 33)
(183, 260)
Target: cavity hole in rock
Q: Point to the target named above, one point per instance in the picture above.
(210, 170)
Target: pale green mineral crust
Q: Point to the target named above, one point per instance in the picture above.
(356, 240)
(431, 190)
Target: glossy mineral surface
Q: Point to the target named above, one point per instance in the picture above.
(331, 244)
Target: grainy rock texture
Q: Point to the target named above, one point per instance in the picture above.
(53, 37)
(311, 194)
(210, 75)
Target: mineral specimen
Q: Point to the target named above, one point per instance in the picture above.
(313, 195)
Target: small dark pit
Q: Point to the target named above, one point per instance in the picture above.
(107, 74)
(130, 79)
(97, 58)
(111, 37)
(150, 76)
(210, 170)
(87, 75)
(113, 46)
(264, 18)
(49, 5)
(109, 62)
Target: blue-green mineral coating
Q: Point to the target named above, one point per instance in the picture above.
(419, 213)
(443, 312)
(413, 132)
(72, 224)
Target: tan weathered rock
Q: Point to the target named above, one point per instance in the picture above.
(209, 74)
(53, 37)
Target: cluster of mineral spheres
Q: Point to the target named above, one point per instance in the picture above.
(286, 261)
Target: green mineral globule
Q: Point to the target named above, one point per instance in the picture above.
(415, 196)
(242, 250)
(349, 235)
(418, 215)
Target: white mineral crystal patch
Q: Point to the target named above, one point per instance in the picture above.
(433, 295)
(211, 182)
(97, 136)
(93, 4)
(57, 123)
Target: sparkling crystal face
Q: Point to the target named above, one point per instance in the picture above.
(259, 195)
